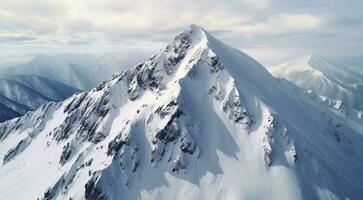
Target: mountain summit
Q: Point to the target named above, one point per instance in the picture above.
(322, 76)
(198, 120)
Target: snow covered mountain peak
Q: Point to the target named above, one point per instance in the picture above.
(195, 121)
(192, 49)
(314, 57)
(320, 63)
(313, 64)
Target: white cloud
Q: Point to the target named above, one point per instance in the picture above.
(51, 20)
(255, 23)
(258, 3)
(283, 23)
(108, 19)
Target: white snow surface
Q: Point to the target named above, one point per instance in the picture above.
(322, 76)
(198, 120)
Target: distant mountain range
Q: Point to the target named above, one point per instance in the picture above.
(353, 63)
(22, 93)
(324, 77)
(28, 81)
(6, 113)
(82, 71)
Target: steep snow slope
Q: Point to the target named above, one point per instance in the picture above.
(198, 120)
(22, 93)
(324, 77)
(83, 71)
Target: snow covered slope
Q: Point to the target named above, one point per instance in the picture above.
(198, 120)
(83, 71)
(337, 106)
(21, 93)
(324, 77)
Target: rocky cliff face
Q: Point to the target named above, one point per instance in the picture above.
(198, 120)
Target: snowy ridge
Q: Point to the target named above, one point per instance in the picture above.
(320, 75)
(198, 120)
(337, 106)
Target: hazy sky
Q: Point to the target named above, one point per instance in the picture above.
(269, 30)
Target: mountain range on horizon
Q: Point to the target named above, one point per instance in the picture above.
(22, 93)
(197, 120)
(82, 71)
(28, 81)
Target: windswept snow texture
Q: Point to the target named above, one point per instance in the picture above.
(198, 120)
(325, 78)
(22, 93)
(83, 71)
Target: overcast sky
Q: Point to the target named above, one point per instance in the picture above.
(269, 30)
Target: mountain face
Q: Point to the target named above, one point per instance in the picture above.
(22, 93)
(198, 120)
(323, 77)
(83, 71)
